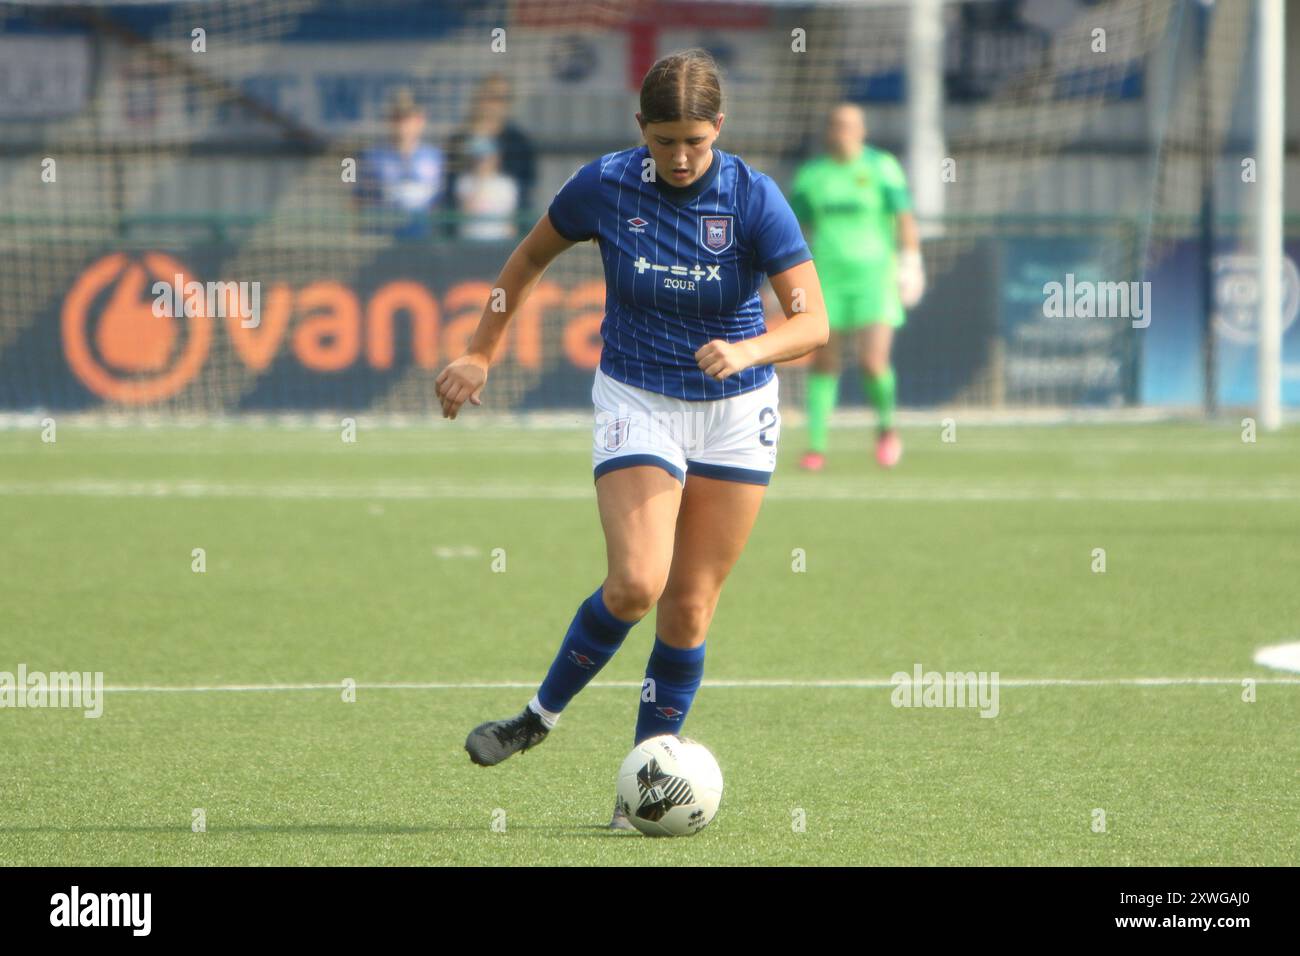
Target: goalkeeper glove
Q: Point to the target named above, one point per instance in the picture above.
(911, 277)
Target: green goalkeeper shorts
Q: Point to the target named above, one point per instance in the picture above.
(871, 297)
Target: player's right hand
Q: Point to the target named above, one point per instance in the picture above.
(462, 379)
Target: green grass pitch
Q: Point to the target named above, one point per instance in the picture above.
(374, 561)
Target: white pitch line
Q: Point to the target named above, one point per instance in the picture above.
(865, 683)
(560, 445)
(795, 489)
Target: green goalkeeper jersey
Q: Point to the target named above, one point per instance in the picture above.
(849, 209)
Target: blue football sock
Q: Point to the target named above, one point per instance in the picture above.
(672, 677)
(593, 638)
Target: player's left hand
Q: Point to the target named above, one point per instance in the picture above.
(911, 278)
(720, 358)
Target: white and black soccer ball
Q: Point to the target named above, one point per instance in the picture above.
(670, 786)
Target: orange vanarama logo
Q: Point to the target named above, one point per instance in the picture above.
(117, 346)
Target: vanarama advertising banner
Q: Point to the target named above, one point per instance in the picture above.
(227, 327)
(220, 327)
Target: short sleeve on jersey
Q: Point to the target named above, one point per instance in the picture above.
(774, 231)
(894, 184)
(573, 210)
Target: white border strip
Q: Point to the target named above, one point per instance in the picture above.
(784, 489)
(865, 683)
(579, 418)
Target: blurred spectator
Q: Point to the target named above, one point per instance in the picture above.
(489, 117)
(486, 198)
(404, 178)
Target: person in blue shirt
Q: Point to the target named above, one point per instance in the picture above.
(403, 181)
(686, 413)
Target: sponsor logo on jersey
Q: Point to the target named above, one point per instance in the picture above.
(716, 233)
(637, 224)
(708, 273)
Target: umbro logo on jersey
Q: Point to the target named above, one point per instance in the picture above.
(637, 224)
(716, 233)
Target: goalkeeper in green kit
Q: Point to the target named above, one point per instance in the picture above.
(855, 208)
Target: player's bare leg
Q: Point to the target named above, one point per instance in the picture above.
(876, 342)
(638, 507)
(821, 402)
(713, 524)
(638, 510)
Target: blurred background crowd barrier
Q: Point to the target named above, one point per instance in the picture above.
(359, 171)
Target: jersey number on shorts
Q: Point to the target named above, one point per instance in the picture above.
(767, 419)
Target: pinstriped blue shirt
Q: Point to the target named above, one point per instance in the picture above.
(683, 264)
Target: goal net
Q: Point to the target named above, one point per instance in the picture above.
(231, 145)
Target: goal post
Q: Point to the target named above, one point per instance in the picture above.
(1270, 37)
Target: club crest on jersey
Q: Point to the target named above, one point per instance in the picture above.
(616, 433)
(716, 233)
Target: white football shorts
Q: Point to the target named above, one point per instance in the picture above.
(731, 438)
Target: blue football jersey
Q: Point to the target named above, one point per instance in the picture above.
(683, 265)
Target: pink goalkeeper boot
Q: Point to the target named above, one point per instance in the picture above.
(889, 448)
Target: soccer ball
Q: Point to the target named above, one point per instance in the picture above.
(669, 786)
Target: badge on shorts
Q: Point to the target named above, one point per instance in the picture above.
(616, 433)
(716, 233)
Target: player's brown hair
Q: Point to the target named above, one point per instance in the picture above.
(682, 86)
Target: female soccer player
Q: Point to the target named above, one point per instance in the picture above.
(686, 414)
(853, 201)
